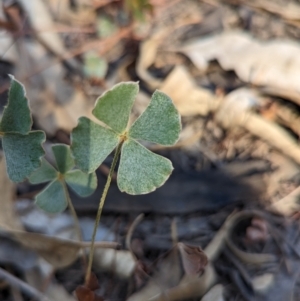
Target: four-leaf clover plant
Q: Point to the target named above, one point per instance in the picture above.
(140, 170)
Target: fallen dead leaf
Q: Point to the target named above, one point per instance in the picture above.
(251, 60)
(87, 292)
(58, 252)
(167, 275)
(189, 99)
(175, 282)
(148, 52)
(193, 258)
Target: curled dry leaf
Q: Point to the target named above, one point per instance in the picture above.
(87, 292)
(189, 99)
(178, 279)
(148, 52)
(251, 60)
(193, 259)
(168, 274)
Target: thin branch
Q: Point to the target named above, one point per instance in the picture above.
(28, 290)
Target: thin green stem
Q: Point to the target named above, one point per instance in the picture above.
(99, 212)
(76, 220)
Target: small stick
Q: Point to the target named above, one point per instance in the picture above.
(23, 286)
(138, 219)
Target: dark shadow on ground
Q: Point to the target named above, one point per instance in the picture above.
(183, 193)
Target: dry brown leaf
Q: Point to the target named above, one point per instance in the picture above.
(168, 275)
(251, 59)
(193, 259)
(87, 292)
(148, 52)
(57, 251)
(189, 99)
(175, 282)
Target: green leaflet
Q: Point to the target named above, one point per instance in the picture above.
(63, 158)
(140, 170)
(45, 173)
(114, 106)
(94, 65)
(91, 144)
(53, 199)
(159, 123)
(83, 184)
(16, 115)
(22, 153)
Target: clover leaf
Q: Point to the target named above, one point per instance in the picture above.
(22, 147)
(54, 198)
(140, 170)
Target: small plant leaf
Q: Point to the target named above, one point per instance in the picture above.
(91, 144)
(16, 115)
(63, 158)
(140, 170)
(43, 174)
(94, 65)
(159, 123)
(22, 153)
(53, 199)
(83, 184)
(114, 106)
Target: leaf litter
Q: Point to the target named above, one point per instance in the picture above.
(238, 152)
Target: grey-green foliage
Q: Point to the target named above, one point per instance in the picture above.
(54, 198)
(22, 147)
(140, 170)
